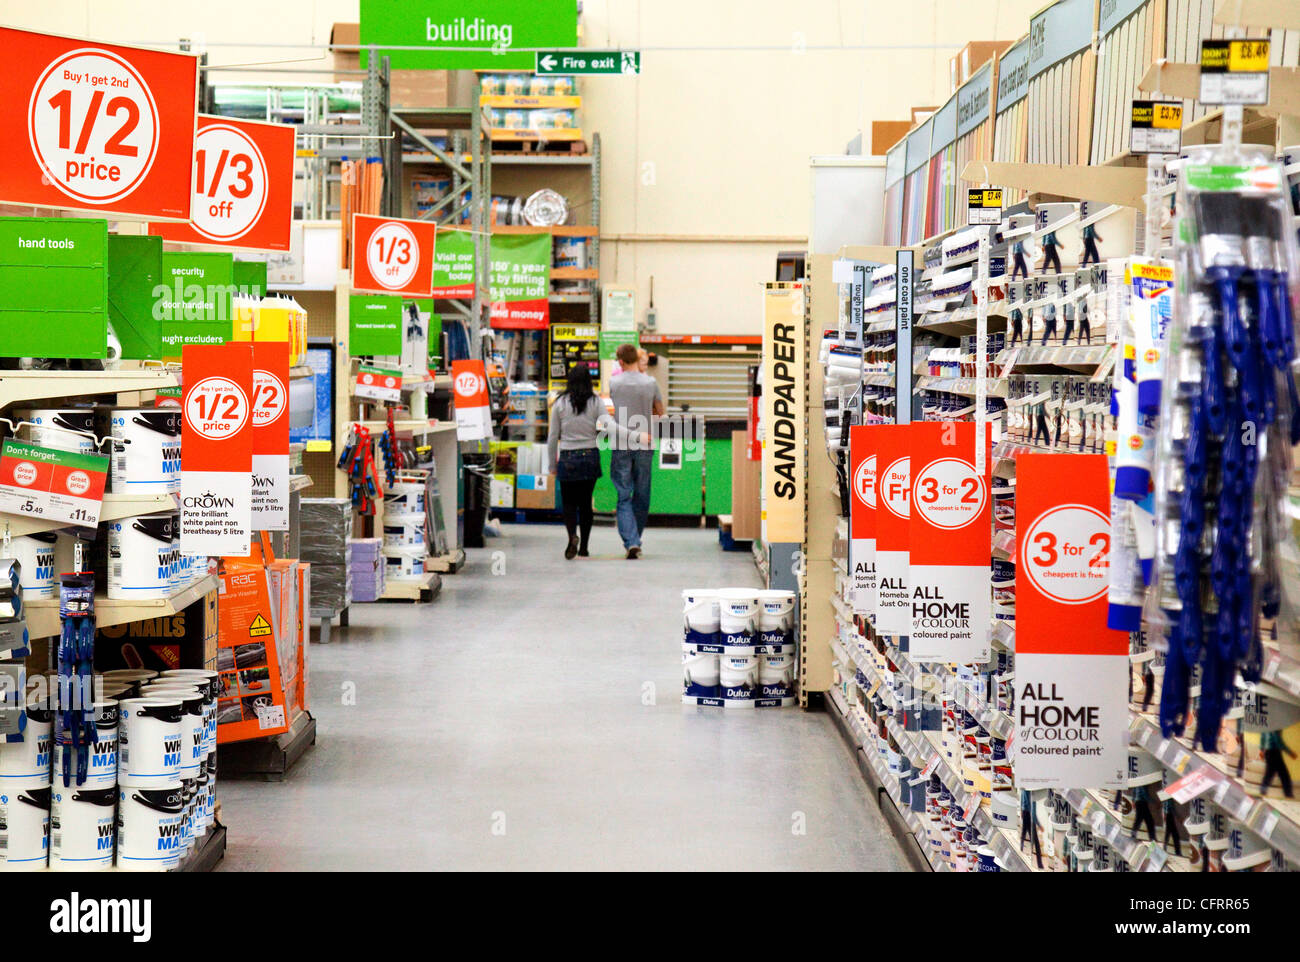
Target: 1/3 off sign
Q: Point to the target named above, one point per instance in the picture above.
(392, 256)
(949, 494)
(1066, 554)
(243, 186)
(216, 408)
(91, 124)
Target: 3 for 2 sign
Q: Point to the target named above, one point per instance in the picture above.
(1067, 554)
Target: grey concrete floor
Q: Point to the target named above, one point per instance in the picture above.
(530, 718)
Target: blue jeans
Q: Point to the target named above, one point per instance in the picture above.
(630, 472)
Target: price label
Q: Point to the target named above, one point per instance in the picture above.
(1234, 72)
(1197, 782)
(984, 205)
(949, 494)
(1267, 826)
(930, 765)
(1156, 127)
(379, 384)
(94, 126)
(52, 485)
(1156, 858)
(230, 183)
(1067, 554)
(393, 255)
(217, 408)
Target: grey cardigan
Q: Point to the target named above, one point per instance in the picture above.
(572, 431)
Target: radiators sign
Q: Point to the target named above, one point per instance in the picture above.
(862, 518)
(784, 445)
(217, 449)
(243, 187)
(949, 540)
(1071, 701)
(96, 126)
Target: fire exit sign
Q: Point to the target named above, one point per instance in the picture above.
(589, 62)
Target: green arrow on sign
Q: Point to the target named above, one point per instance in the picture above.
(589, 62)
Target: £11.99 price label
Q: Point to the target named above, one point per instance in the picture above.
(56, 486)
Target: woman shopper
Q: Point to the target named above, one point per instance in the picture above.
(576, 421)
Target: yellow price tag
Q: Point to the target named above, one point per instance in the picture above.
(1248, 56)
(1167, 116)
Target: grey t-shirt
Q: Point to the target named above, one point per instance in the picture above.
(633, 395)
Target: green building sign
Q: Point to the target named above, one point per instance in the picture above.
(484, 35)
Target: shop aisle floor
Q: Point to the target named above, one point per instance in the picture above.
(503, 727)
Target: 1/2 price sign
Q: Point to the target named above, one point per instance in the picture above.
(50, 484)
(392, 256)
(243, 187)
(270, 413)
(217, 449)
(103, 127)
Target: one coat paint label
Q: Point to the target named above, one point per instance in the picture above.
(217, 449)
(950, 538)
(862, 519)
(50, 484)
(893, 522)
(1071, 717)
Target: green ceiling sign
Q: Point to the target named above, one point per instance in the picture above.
(485, 35)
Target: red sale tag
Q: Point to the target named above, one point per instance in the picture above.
(96, 126)
(862, 518)
(270, 413)
(243, 186)
(392, 256)
(470, 391)
(217, 449)
(893, 514)
(50, 484)
(378, 384)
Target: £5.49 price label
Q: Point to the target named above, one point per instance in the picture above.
(393, 256)
(52, 485)
(91, 123)
(948, 493)
(217, 408)
(1067, 554)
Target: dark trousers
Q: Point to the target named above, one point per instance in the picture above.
(1142, 816)
(1041, 432)
(1050, 256)
(1090, 255)
(578, 513)
(1019, 268)
(1274, 764)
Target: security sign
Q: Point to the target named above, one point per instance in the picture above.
(392, 256)
(96, 126)
(243, 187)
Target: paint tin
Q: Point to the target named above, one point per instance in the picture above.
(150, 827)
(776, 611)
(700, 677)
(142, 556)
(83, 826)
(194, 724)
(204, 803)
(130, 677)
(35, 556)
(207, 682)
(26, 763)
(24, 828)
(148, 461)
(53, 427)
(404, 564)
(404, 497)
(775, 681)
(738, 611)
(149, 741)
(738, 675)
(403, 530)
(103, 753)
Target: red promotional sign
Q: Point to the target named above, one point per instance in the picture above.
(951, 531)
(893, 519)
(1071, 670)
(243, 186)
(270, 409)
(217, 448)
(862, 517)
(96, 126)
(473, 409)
(392, 256)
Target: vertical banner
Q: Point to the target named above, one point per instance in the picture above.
(862, 518)
(216, 449)
(905, 281)
(520, 281)
(1071, 712)
(951, 532)
(473, 409)
(784, 445)
(243, 186)
(453, 264)
(893, 523)
(270, 436)
(393, 256)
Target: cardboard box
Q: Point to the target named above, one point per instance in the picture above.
(187, 639)
(251, 700)
(973, 56)
(886, 133)
(746, 490)
(406, 88)
(535, 492)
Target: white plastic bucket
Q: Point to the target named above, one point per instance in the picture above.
(738, 675)
(149, 741)
(132, 678)
(403, 530)
(83, 826)
(776, 681)
(25, 815)
(35, 555)
(700, 677)
(209, 683)
(700, 610)
(776, 612)
(150, 461)
(141, 557)
(194, 722)
(150, 827)
(404, 564)
(53, 427)
(738, 611)
(26, 763)
(404, 497)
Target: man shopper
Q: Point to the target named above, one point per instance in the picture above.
(636, 400)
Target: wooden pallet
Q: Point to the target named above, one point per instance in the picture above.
(448, 563)
(268, 759)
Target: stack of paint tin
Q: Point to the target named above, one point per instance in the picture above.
(739, 647)
(701, 647)
(25, 791)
